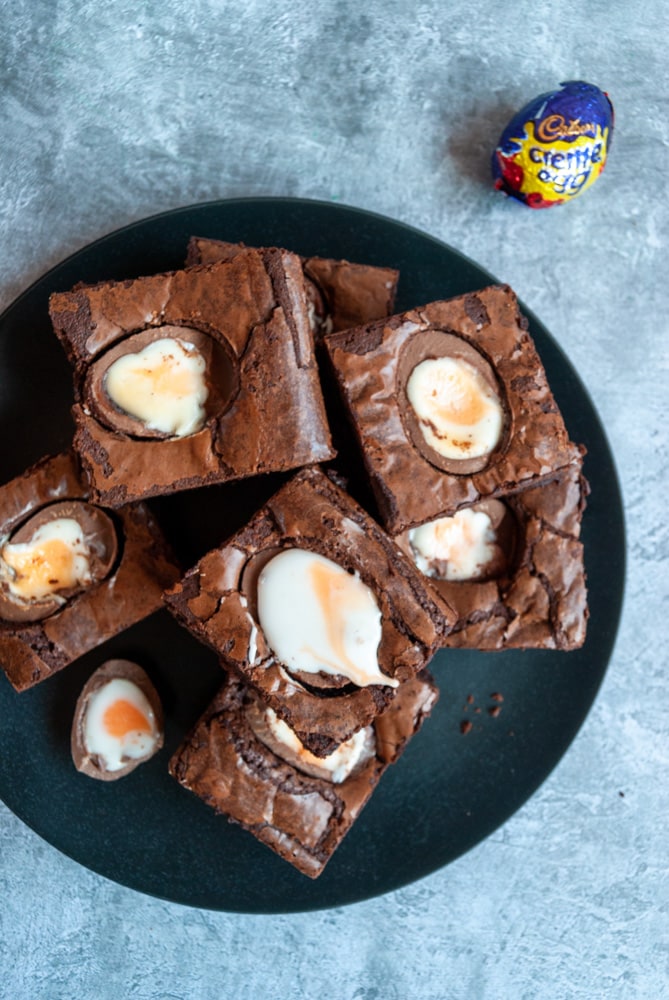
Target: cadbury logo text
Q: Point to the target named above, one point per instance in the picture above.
(557, 127)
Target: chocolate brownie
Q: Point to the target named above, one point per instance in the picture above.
(244, 325)
(303, 818)
(129, 561)
(486, 336)
(341, 294)
(218, 601)
(535, 596)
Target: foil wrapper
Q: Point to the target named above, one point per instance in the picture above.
(556, 146)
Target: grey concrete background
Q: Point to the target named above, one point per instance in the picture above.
(111, 112)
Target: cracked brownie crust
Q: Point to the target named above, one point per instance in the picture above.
(350, 294)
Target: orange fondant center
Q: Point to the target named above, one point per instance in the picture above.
(42, 569)
(122, 717)
(460, 402)
(168, 377)
(333, 598)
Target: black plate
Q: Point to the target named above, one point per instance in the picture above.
(449, 791)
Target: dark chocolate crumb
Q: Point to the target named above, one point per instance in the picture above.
(494, 711)
(470, 699)
(465, 727)
(496, 696)
(476, 311)
(477, 711)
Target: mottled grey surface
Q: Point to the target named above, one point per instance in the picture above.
(111, 112)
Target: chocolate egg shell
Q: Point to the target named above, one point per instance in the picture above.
(556, 146)
(319, 317)
(221, 377)
(440, 344)
(91, 764)
(256, 716)
(101, 539)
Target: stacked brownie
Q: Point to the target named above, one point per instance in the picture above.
(340, 294)
(302, 816)
(218, 601)
(494, 534)
(323, 620)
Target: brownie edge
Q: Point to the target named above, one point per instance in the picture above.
(351, 293)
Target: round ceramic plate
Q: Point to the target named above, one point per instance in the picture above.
(448, 792)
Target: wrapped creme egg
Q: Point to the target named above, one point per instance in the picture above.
(555, 147)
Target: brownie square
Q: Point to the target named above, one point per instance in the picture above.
(372, 365)
(265, 410)
(342, 294)
(217, 602)
(31, 651)
(539, 601)
(302, 818)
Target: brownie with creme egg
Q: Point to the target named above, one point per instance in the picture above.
(450, 406)
(193, 377)
(72, 574)
(247, 764)
(512, 569)
(316, 609)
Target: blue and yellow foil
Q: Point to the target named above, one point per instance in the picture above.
(555, 147)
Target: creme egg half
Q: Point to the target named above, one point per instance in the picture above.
(118, 721)
(459, 414)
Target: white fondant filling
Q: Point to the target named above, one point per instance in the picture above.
(163, 386)
(459, 414)
(116, 751)
(464, 542)
(339, 764)
(316, 616)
